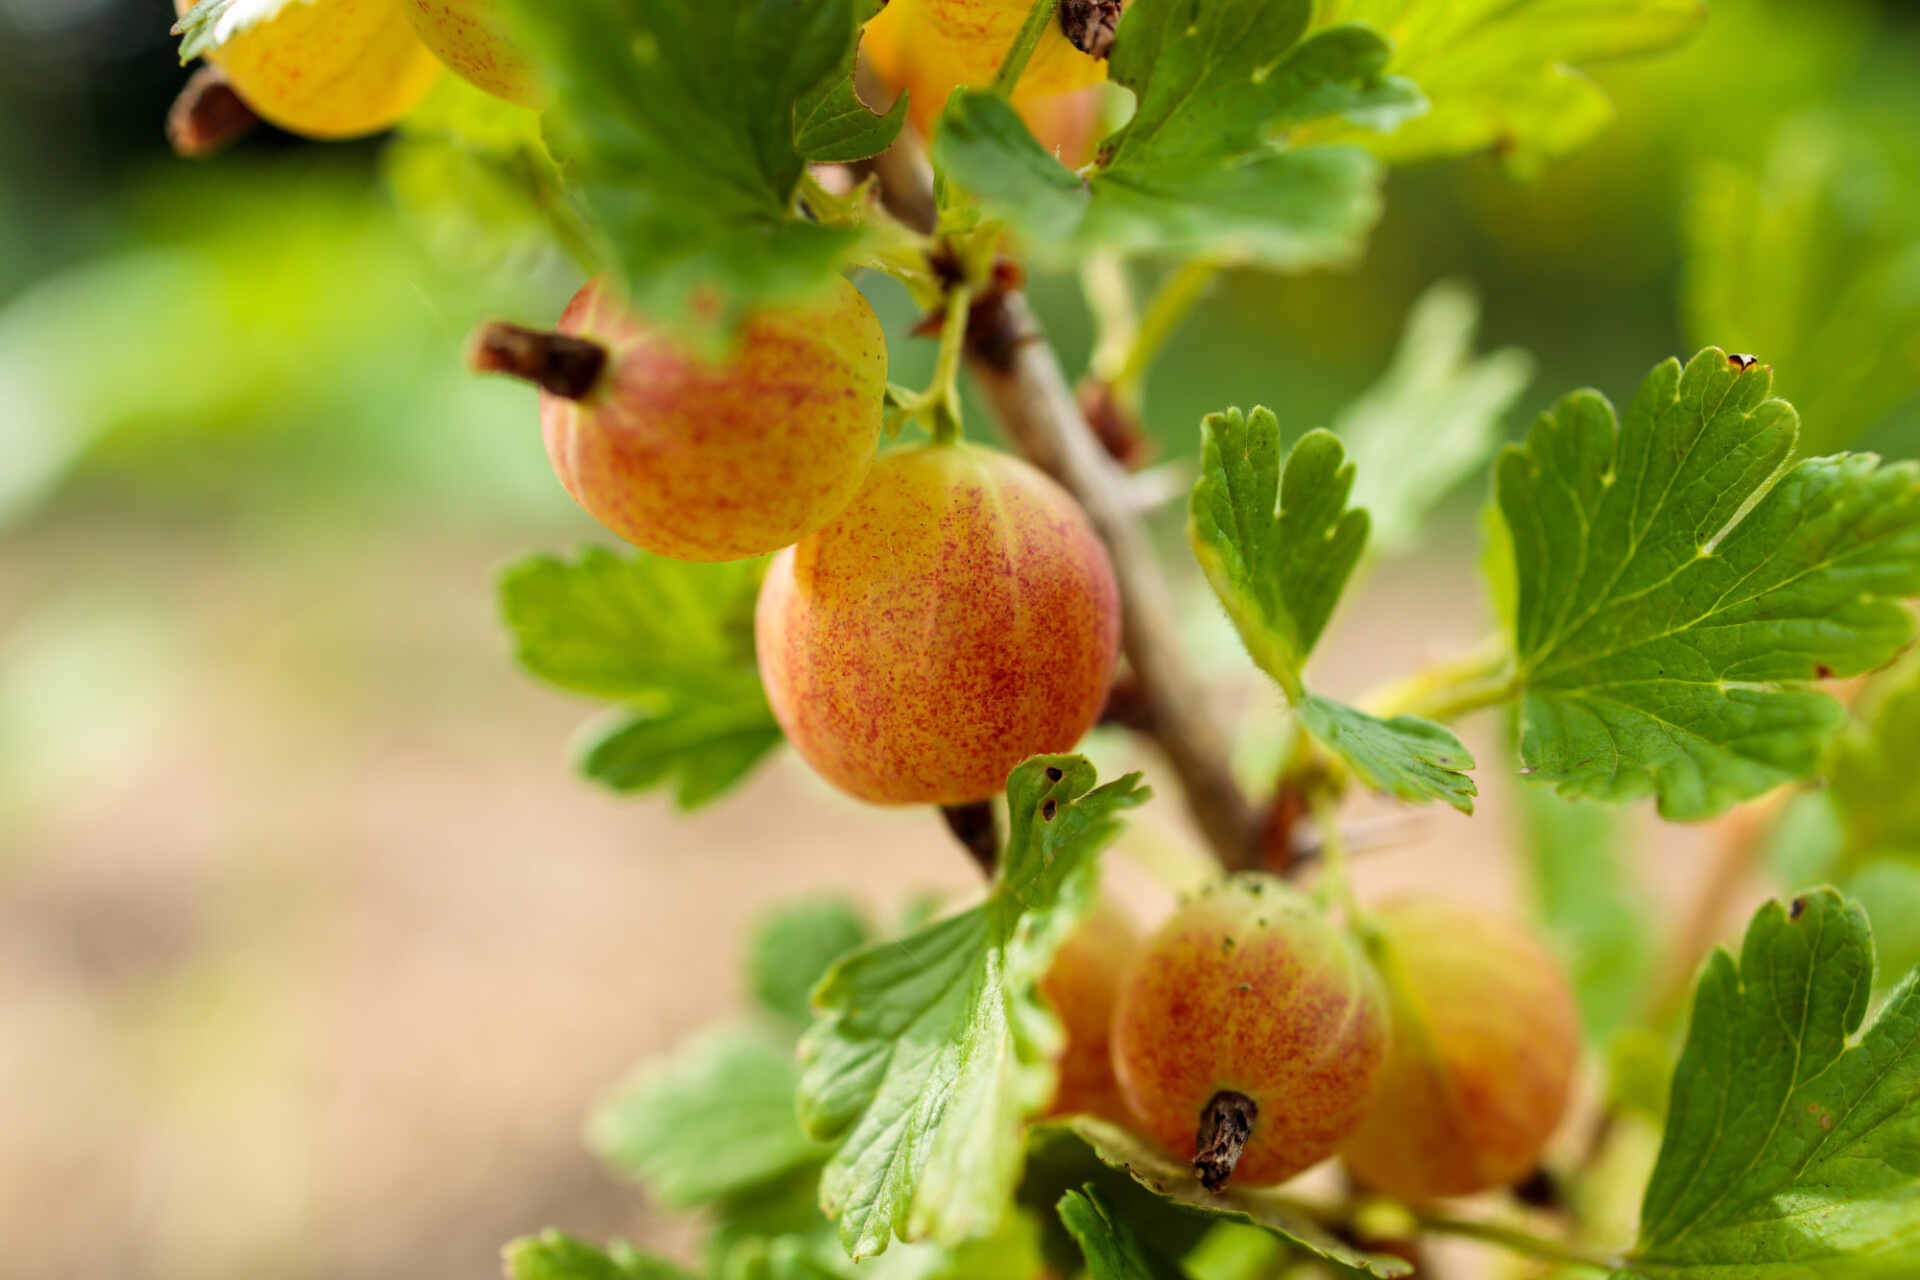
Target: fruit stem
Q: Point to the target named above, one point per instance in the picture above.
(974, 827)
(564, 366)
(208, 115)
(1226, 1122)
(1483, 677)
(946, 372)
(1336, 885)
(1020, 52)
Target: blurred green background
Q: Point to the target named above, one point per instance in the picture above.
(310, 948)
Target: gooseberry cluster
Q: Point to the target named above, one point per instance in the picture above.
(1432, 1048)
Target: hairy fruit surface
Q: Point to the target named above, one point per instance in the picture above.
(472, 38)
(728, 458)
(958, 617)
(329, 68)
(1249, 991)
(1082, 986)
(1485, 1039)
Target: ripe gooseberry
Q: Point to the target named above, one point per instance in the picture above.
(959, 616)
(961, 42)
(471, 37)
(704, 458)
(329, 68)
(1082, 985)
(1485, 1039)
(1250, 1033)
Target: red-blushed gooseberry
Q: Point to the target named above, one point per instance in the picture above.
(1082, 985)
(471, 37)
(1486, 1036)
(959, 616)
(1250, 1033)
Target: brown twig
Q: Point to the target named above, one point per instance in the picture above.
(975, 827)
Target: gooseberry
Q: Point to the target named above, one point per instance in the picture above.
(1082, 985)
(698, 457)
(471, 37)
(329, 68)
(1485, 1039)
(1250, 1033)
(962, 42)
(959, 616)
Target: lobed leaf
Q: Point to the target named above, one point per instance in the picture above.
(1792, 1147)
(1414, 759)
(932, 1049)
(711, 1121)
(1508, 75)
(1272, 1211)
(671, 642)
(1278, 543)
(792, 948)
(685, 130)
(1432, 418)
(1204, 168)
(1679, 584)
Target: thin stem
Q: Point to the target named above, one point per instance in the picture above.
(1116, 318)
(1021, 51)
(1523, 1242)
(946, 372)
(1336, 885)
(1448, 690)
(1176, 298)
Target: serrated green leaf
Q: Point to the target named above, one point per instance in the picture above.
(832, 125)
(1792, 1149)
(678, 126)
(792, 948)
(1432, 418)
(670, 641)
(554, 1255)
(1406, 756)
(932, 1049)
(1204, 168)
(1270, 1210)
(1591, 910)
(710, 1121)
(211, 23)
(1277, 542)
(1507, 75)
(1677, 588)
(1112, 1250)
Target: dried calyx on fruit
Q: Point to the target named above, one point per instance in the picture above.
(959, 616)
(1485, 1039)
(705, 458)
(1250, 1033)
(329, 68)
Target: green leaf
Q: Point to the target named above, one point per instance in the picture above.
(1594, 913)
(1277, 543)
(1678, 588)
(679, 126)
(554, 1255)
(1792, 1149)
(932, 1049)
(1811, 263)
(833, 126)
(672, 642)
(1204, 168)
(211, 23)
(714, 1119)
(1270, 1210)
(1872, 779)
(1432, 418)
(1406, 756)
(793, 947)
(1506, 74)
(1112, 1250)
